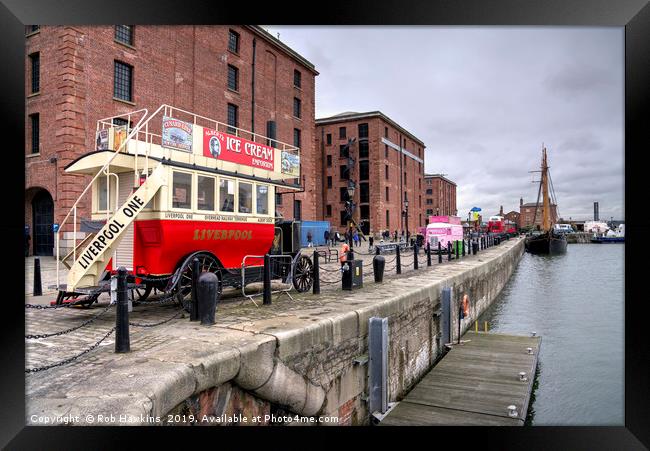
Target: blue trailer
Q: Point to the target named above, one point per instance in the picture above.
(317, 229)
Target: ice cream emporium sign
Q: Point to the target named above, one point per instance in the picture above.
(223, 146)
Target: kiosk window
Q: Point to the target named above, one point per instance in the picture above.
(102, 198)
(245, 197)
(226, 195)
(205, 188)
(182, 190)
(262, 199)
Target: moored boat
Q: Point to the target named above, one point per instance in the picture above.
(546, 240)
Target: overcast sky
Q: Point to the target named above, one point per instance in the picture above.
(483, 100)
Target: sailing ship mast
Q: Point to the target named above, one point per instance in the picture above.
(546, 209)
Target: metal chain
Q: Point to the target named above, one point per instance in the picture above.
(71, 359)
(157, 324)
(44, 307)
(63, 332)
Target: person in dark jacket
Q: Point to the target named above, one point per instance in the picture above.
(326, 235)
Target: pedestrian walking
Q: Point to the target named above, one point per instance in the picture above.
(355, 237)
(326, 235)
(309, 238)
(28, 239)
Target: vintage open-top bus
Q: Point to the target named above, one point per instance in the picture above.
(173, 187)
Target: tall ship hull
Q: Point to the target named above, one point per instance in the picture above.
(546, 243)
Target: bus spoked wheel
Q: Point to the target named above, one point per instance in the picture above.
(303, 274)
(183, 290)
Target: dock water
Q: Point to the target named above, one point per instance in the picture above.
(473, 384)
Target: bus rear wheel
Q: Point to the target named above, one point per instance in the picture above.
(303, 274)
(183, 290)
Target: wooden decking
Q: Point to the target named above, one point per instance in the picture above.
(473, 385)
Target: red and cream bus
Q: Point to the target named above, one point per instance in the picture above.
(173, 187)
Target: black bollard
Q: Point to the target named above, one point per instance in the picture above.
(38, 287)
(429, 254)
(122, 342)
(266, 296)
(457, 243)
(474, 247)
(194, 307)
(208, 292)
(439, 252)
(399, 260)
(378, 264)
(448, 251)
(415, 256)
(316, 285)
(463, 250)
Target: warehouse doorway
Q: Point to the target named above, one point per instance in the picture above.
(42, 220)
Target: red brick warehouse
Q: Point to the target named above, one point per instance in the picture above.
(388, 168)
(439, 196)
(240, 75)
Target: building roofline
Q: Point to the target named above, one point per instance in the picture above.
(345, 117)
(268, 37)
(440, 176)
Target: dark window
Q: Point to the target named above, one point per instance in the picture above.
(420, 201)
(419, 183)
(344, 172)
(430, 211)
(297, 210)
(35, 60)
(329, 161)
(344, 217)
(297, 78)
(271, 133)
(386, 168)
(429, 201)
(343, 192)
(387, 196)
(233, 41)
(405, 178)
(385, 132)
(364, 170)
(29, 29)
(233, 78)
(419, 167)
(344, 151)
(329, 181)
(341, 132)
(329, 139)
(385, 151)
(124, 34)
(34, 118)
(328, 210)
(364, 212)
(123, 82)
(363, 149)
(387, 219)
(429, 191)
(233, 117)
(296, 107)
(363, 131)
(364, 195)
(278, 199)
(296, 137)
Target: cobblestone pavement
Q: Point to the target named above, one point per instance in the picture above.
(234, 312)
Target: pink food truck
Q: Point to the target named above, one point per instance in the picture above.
(443, 232)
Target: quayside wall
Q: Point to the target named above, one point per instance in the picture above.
(304, 357)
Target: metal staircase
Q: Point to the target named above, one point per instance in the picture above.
(89, 266)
